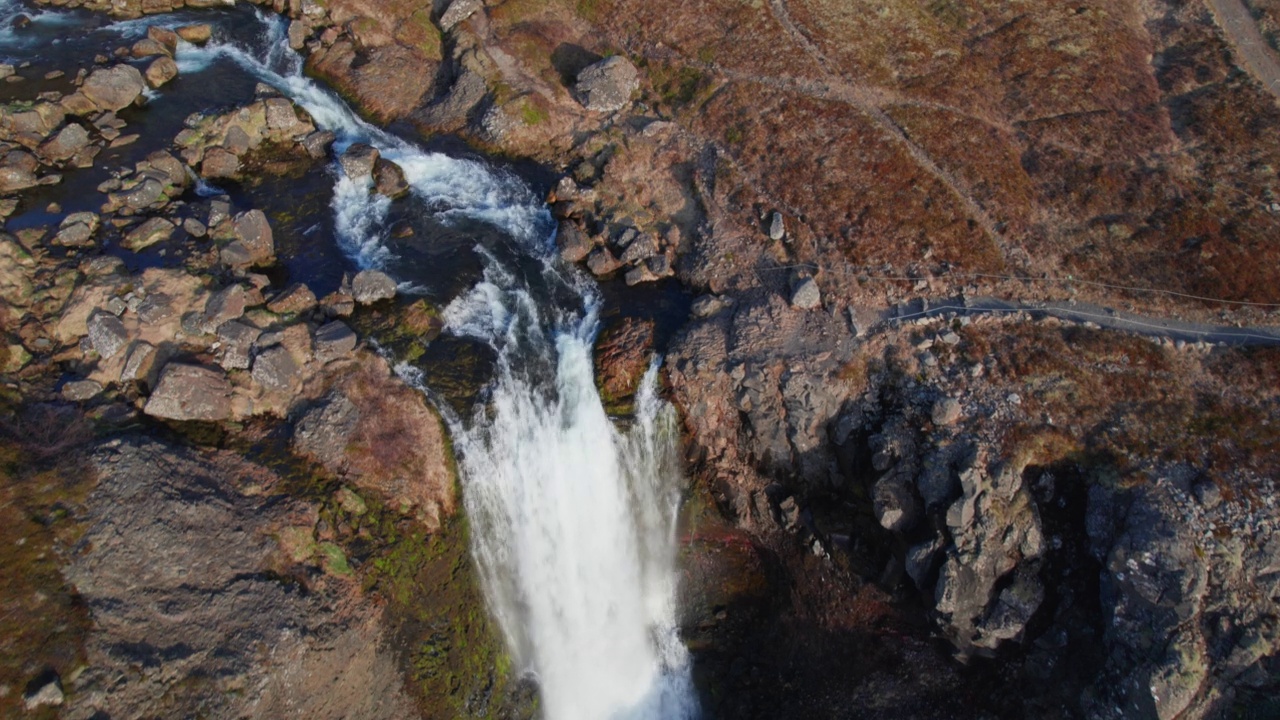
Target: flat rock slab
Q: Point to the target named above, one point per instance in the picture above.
(190, 392)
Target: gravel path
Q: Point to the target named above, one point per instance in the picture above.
(1252, 51)
(1085, 313)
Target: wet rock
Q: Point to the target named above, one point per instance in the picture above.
(77, 229)
(317, 143)
(371, 286)
(222, 306)
(805, 294)
(194, 228)
(777, 227)
(81, 390)
(389, 178)
(254, 232)
(63, 146)
(160, 71)
(237, 340)
(107, 335)
(113, 88)
(154, 230)
(166, 37)
(275, 369)
(607, 85)
(334, 340)
(574, 243)
(358, 161)
(601, 262)
(945, 412)
(164, 167)
(622, 356)
(190, 392)
(15, 178)
(141, 194)
(458, 11)
(298, 34)
(296, 298)
(195, 34)
(219, 163)
(281, 117)
(146, 47)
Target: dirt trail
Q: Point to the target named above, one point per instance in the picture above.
(1252, 52)
(866, 101)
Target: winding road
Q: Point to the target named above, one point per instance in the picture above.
(1083, 313)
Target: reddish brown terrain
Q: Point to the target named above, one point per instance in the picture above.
(894, 510)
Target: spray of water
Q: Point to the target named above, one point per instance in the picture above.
(573, 519)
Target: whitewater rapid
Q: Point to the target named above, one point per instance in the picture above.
(573, 520)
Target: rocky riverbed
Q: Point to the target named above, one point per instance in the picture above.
(229, 490)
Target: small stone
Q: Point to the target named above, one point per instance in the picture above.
(139, 363)
(298, 34)
(601, 262)
(219, 163)
(219, 210)
(160, 71)
(226, 304)
(139, 195)
(48, 694)
(805, 294)
(164, 36)
(146, 47)
(639, 274)
(358, 161)
(81, 390)
(370, 286)
(190, 392)
(607, 85)
(113, 88)
(574, 243)
(296, 298)
(107, 334)
(275, 369)
(458, 11)
(194, 228)
(237, 341)
(254, 231)
(77, 229)
(946, 412)
(334, 340)
(196, 34)
(317, 143)
(777, 227)
(149, 233)
(69, 141)
(389, 179)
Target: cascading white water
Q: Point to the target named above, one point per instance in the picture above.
(573, 520)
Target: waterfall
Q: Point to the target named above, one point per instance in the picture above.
(573, 519)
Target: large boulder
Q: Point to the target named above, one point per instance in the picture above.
(160, 71)
(371, 286)
(190, 392)
(607, 85)
(254, 243)
(388, 179)
(71, 139)
(358, 161)
(458, 11)
(113, 88)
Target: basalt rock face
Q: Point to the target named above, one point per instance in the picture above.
(1111, 583)
(159, 599)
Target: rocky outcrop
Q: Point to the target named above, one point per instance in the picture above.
(144, 568)
(623, 353)
(378, 432)
(607, 85)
